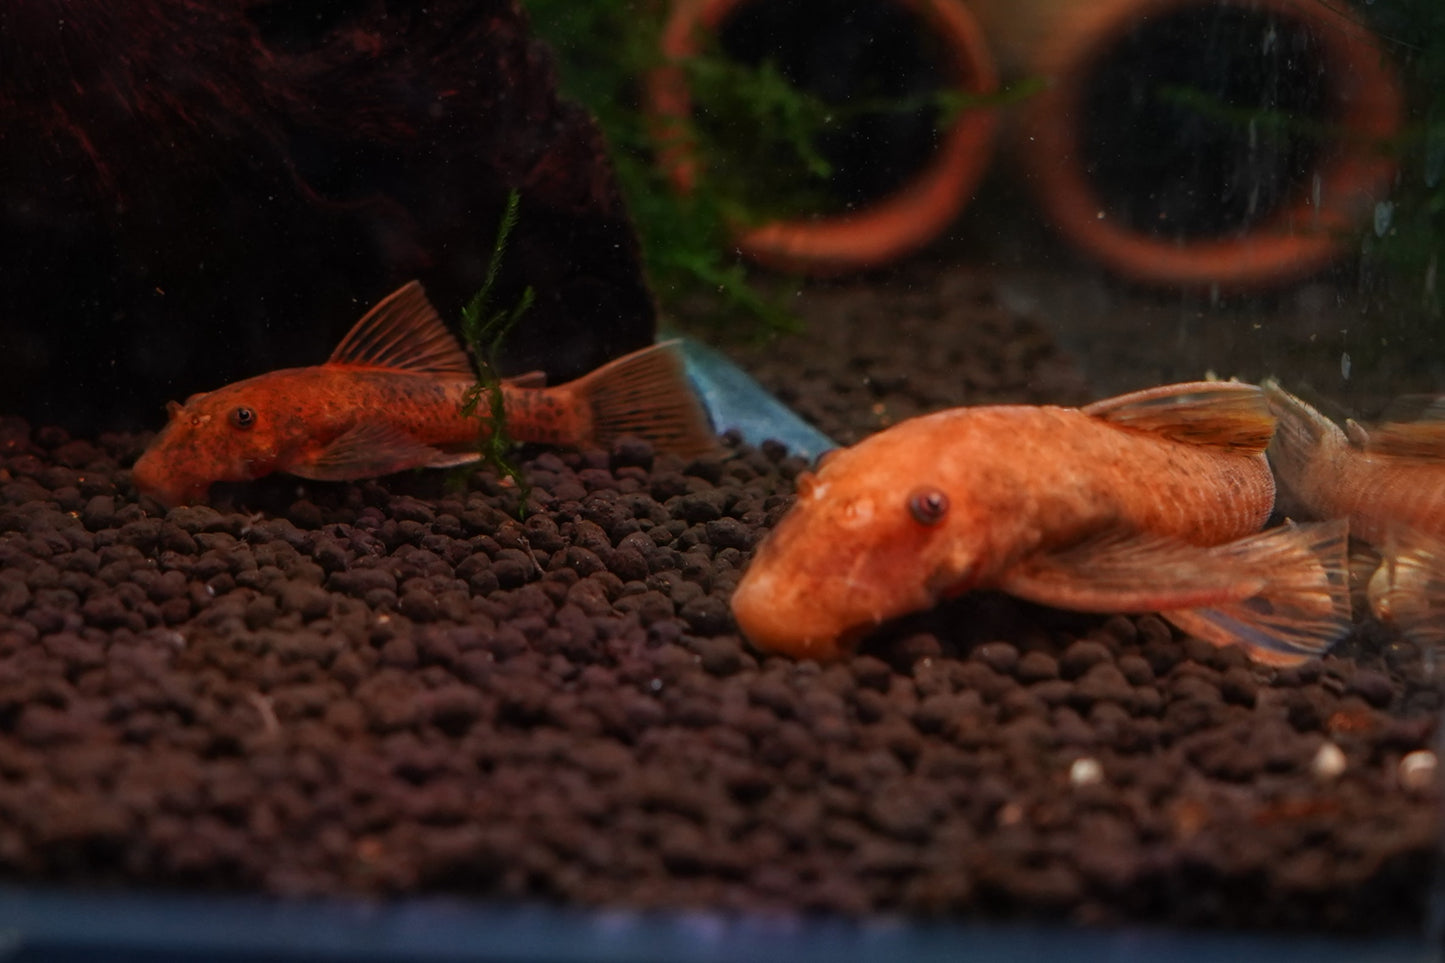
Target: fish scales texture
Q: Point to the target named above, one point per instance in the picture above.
(1071, 474)
(1328, 474)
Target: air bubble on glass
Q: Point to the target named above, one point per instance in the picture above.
(1384, 215)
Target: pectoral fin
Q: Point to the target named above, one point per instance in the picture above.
(1133, 573)
(1283, 594)
(1304, 608)
(374, 449)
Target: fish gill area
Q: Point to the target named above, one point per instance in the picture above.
(396, 687)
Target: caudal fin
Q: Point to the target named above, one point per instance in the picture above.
(647, 394)
(1304, 607)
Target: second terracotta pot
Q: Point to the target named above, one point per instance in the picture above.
(1339, 171)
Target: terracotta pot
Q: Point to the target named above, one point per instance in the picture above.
(892, 226)
(1297, 236)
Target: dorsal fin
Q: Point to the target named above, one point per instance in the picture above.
(404, 331)
(1421, 437)
(1220, 414)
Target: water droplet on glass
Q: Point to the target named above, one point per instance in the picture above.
(1384, 214)
(1345, 365)
(1434, 151)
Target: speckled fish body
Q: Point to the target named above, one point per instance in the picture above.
(391, 398)
(1379, 478)
(1148, 502)
(1388, 480)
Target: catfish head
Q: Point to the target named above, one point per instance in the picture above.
(880, 531)
(224, 435)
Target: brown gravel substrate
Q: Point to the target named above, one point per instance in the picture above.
(396, 687)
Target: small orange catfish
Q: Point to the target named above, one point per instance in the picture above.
(1146, 502)
(1389, 481)
(390, 398)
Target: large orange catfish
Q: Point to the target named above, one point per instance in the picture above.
(390, 398)
(1148, 502)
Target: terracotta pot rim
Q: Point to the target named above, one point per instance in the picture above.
(1296, 240)
(895, 224)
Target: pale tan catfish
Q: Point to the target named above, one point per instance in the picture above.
(1388, 480)
(1152, 501)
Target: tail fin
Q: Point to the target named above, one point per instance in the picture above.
(1408, 589)
(647, 394)
(1305, 605)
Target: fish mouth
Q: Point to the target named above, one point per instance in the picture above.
(775, 619)
(150, 478)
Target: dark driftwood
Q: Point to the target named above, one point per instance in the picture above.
(193, 192)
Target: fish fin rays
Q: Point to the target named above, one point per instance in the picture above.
(1284, 594)
(647, 394)
(374, 449)
(403, 331)
(1305, 607)
(1422, 440)
(1301, 433)
(527, 379)
(1130, 573)
(1220, 414)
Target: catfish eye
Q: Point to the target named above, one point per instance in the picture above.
(243, 417)
(928, 506)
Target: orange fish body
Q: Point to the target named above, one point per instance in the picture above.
(1148, 502)
(1389, 482)
(391, 398)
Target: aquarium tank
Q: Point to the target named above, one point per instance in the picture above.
(635, 480)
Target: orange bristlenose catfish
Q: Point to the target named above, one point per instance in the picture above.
(1388, 480)
(1151, 501)
(390, 398)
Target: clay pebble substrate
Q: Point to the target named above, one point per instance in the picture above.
(397, 688)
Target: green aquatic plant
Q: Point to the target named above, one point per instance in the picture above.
(777, 168)
(484, 329)
(780, 168)
(605, 49)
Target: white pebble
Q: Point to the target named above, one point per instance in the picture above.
(1009, 814)
(1417, 769)
(1086, 772)
(1329, 761)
